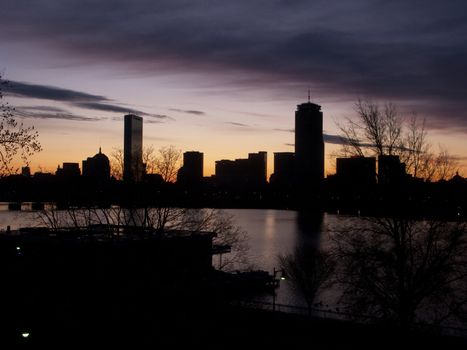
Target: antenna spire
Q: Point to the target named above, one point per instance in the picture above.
(308, 95)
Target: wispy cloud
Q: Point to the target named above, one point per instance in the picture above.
(238, 124)
(62, 115)
(334, 139)
(42, 108)
(327, 138)
(53, 93)
(187, 111)
(71, 97)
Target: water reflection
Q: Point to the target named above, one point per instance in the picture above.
(309, 229)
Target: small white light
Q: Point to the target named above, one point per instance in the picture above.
(25, 334)
(283, 278)
(18, 248)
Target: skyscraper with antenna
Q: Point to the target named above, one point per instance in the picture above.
(309, 147)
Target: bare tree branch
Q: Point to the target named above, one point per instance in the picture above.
(17, 142)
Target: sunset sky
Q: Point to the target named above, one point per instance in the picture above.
(224, 77)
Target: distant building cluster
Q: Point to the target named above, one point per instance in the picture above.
(249, 172)
(365, 172)
(298, 176)
(302, 170)
(96, 169)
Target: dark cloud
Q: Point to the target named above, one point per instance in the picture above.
(187, 111)
(116, 108)
(45, 92)
(412, 52)
(159, 116)
(72, 97)
(42, 108)
(334, 139)
(107, 108)
(63, 115)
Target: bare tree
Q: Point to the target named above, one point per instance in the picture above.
(403, 270)
(150, 159)
(310, 271)
(444, 164)
(116, 163)
(382, 131)
(376, 130)
(159, 220)
(16, 140)
(417, 149)
(167, 163)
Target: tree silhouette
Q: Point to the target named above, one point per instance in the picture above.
(116, 163)
(158, 220)
(381, 130)
(403, 271)
(309, 270)
(16, 140)
(167, 163)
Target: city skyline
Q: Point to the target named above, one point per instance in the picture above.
(224, 79)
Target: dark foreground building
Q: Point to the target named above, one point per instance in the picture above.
(69, 284)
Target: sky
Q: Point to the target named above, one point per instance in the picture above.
(224, 77)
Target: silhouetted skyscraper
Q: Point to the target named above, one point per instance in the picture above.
(191, 173)
(133, 148)
(309, 147)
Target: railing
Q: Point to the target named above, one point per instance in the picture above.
(341, 316)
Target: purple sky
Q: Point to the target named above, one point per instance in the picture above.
(223, 77)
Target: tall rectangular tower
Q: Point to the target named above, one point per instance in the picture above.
(191, 173)
(309, 147)
(133, 149)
